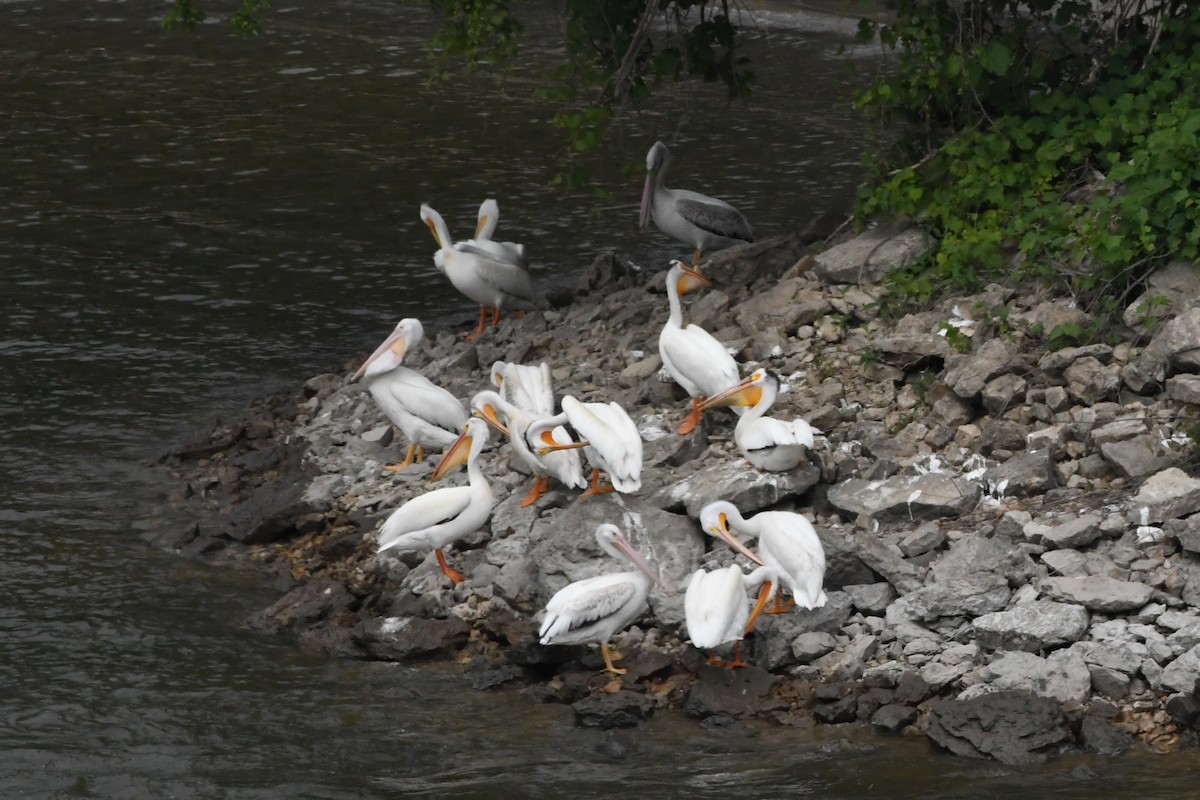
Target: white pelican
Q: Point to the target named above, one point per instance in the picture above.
(530, 388)
(561, 464)
(485, 226)
(437, 518)
(593, 609)
(428, 414)
(769, 444)
(705, 223)
(479, 275)
(717, 609)
(697, 361)
(608, 437)
(787, 543)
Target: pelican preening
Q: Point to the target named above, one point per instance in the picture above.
(608, 437)
(769, 444)
(561, 464)
(529, 388)
(485, 226)
(437, 518)
(478, 273)
(593, 609)
(787, 543)
(428, 415)
(696, 360)
(703, 222)
(717, 609)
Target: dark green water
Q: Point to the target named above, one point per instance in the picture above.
(189, 221)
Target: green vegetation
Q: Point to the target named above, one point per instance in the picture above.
(1048, 140)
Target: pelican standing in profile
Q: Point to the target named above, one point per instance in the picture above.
(593, 609)
(429, 415)
(769, 444)
(437, 518)
(717, 609)
(480, 275)
(787, 543)
(704, 222)
(485, 226)
(561, 464)
(695, 359)
(527, 387)
(608, 437)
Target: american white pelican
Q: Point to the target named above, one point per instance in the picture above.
(593, 609)
(769, 444)
(561, 464)
(485, 226)
(530, 388)
(704, 222)
(428, 414)
(717, 609)
(437, 518)
(787, 543)
(697, 361)
(608, 437)
(479, 275)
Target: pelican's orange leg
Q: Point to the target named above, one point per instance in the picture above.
(478, 328)
(732, 663)
(763, 595)
(450, 572)
(540, 485)
(696, 258)
(693, 419)
(409, 459)
(608, 661)
(781, 606)
(495, 316)
(596, 487)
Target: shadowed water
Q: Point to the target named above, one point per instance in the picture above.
(188, 221)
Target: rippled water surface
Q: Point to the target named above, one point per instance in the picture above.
(188, 221)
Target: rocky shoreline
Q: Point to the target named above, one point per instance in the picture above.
(1013, 549)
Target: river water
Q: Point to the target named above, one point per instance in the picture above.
(190, 220)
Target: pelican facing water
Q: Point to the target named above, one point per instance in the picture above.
(703, 222)
(593, 609)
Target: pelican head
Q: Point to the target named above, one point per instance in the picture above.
(684, 278)
(483, 406)
(467, 446)
(613, 542)
(407, 334)
(748, 392)
(489, 215)
(437, 226)
(714, 519)
(656, 165)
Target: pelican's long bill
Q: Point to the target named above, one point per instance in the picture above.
(488, 415)
(389, 354)
(647, 200)
(635, 558)
(456, 455)
(690, 280)
(552, 444)
(744, 393)
(721, 531)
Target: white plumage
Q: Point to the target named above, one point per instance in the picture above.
(703, 222)
(593, 609)
(485, 226)
(437, 518)
(768, 443)
(428, 415)
(527, 387)
(696, 360)
(717, 608)
(609, 439)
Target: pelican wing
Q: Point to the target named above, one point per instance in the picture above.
(501, 277)
(716, 607)
(713, 215)
(530, 388)
(583, 602)
(771, 432)
(420, 514)
(790, 540)
(426, 400)
(613, 436)
(697, 361)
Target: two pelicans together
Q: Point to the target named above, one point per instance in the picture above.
(493, 274)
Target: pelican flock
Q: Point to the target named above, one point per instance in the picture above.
(546, 437)
(695, 219)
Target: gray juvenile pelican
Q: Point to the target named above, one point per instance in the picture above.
(704, 222)
(428, 414)
(435, 519)
(697, 361)
(479, 275)
(593, 609)
(769, 444)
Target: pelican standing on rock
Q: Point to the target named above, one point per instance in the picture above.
(561, 464)
(769, 444)
(593, 609)
(437, 518)
(717, 609)
(696, 360)
(704, 222)
(608, 437)
(479, 275)
(428, 414)
(787, 543)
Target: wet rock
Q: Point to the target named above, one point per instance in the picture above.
(623, 709)
(304, 606)
(1101, 736)
(893, 716)
(1011, 726)
(732, 692)
(1063, 676)
(404, 638)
